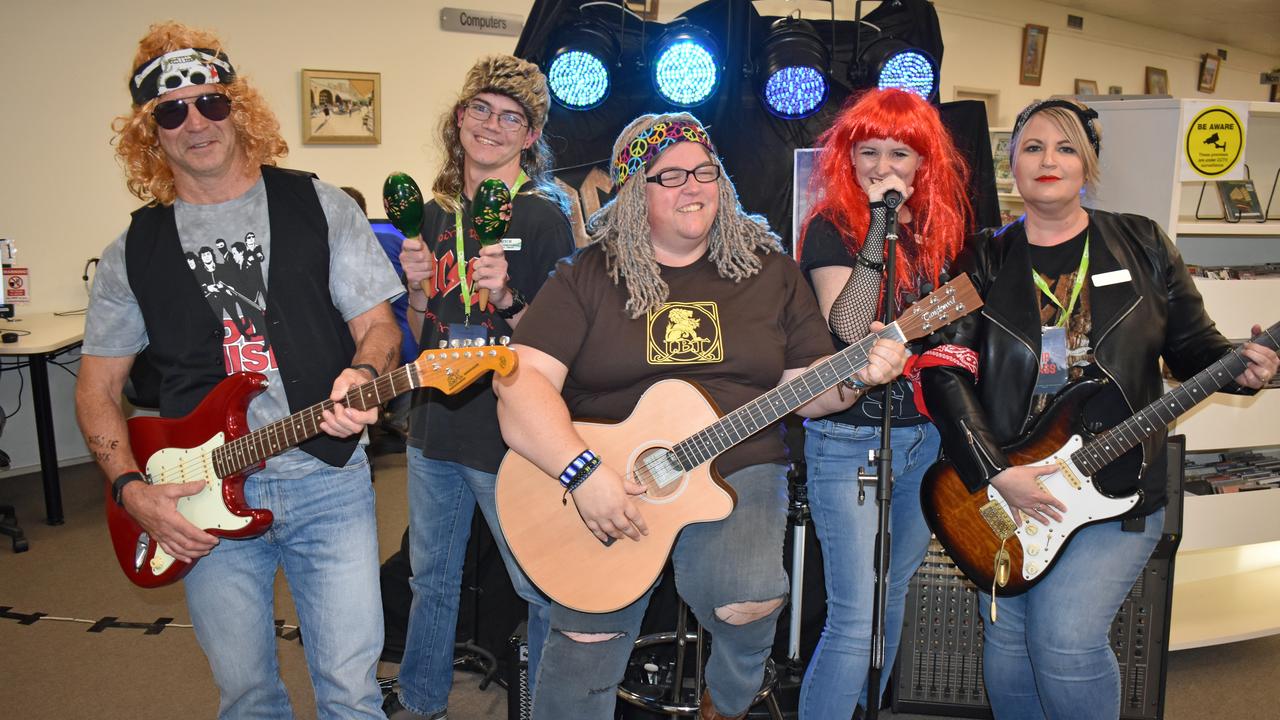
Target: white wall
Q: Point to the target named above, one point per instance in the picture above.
(62, 195)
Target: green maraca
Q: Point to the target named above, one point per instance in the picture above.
(402, 199)
(490, 214)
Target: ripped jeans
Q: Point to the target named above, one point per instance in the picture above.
(738, 559)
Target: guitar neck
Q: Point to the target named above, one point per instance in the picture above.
(753, 417)
(249, 450)
(1113, 443)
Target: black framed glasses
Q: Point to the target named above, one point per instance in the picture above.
(506, 120)
(676, 177)
(170, 114)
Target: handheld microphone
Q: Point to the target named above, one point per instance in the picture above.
(892, 199)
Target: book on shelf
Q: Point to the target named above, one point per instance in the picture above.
(1239, 200)
(1232, 472)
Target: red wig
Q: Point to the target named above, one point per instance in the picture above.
(939, 206)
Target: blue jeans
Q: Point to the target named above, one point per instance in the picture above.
(442, 500)
(325, 538)
(835, 681)
(1049, 655)
(738, 559)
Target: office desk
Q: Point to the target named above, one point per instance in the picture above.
(50, 335)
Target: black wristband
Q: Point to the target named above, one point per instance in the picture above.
(373, 371)
(877, 266)
(517, 304)
(117, 486)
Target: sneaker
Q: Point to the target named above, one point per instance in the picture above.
(395, 711)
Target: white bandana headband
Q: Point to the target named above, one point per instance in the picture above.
(179, 69)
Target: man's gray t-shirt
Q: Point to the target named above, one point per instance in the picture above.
(228, 248)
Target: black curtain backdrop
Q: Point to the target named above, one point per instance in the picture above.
(756, 147)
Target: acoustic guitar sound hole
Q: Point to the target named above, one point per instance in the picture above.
(657, 470)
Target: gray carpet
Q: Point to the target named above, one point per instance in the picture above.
(54, 669)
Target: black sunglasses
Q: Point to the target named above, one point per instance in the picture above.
(170, 114)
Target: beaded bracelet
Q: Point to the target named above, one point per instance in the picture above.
(577, 472)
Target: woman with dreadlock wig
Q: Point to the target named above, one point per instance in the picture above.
(678, 282)
(885, 140)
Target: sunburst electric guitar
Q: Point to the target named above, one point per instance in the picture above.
(977, 529)
(214, 444)
(570, 565)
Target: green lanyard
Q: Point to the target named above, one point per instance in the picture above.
(462, 253)
(1075, 289)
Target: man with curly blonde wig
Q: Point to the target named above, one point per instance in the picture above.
(492, 130)
(678, 282)
(199, 147)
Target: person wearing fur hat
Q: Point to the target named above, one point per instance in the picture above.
(677, 282)
(199, 147)
(493, 130)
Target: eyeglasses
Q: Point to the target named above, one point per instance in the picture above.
(506, 120)
(676, 177)
(170, 114)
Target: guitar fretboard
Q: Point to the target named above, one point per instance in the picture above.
(749, 419)
(1102, 450)
(248, 450)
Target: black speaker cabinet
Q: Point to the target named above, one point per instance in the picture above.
(939, 670)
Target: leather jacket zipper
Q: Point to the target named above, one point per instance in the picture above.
(1026, 412)
(978, 450)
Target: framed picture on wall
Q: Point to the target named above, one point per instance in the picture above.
(340, 107)
(1208, 73)
(1086, 87)
(1000, 159)
(1034, 39)
(1157, 81)
(1115, 90)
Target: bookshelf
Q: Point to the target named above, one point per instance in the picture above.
(1228, 564)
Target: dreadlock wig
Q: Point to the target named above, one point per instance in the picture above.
(622, 228)
(939, 206)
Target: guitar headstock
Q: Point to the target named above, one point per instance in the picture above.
(941, 307)
(450, 369)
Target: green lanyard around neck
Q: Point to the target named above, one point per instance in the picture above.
(462, 253)
(1075, 288)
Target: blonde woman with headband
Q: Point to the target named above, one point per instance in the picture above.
(677, 282)
(1070, 292)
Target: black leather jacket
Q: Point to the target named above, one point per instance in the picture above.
(1158, 313)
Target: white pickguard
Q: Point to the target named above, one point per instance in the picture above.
(205, 509)
(1042, 543)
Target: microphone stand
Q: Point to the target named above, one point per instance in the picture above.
(883, 477)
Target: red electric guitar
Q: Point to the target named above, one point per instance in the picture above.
(213, 443)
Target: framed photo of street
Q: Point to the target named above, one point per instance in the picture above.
(1208, 73)
(341, 107)
(1034, 39)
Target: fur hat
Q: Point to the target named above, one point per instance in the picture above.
(517, 79)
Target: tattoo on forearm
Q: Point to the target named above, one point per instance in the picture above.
(103, 447)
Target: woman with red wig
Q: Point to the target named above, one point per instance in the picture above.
(885, 140)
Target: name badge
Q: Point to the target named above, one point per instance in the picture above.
(511, 244)
(1115, 277)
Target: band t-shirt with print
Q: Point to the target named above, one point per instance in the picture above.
(463, 427)
(733, 339)
(228, 250)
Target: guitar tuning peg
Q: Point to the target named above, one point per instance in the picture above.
(944, 278)
(455, 343)
(504, 340)
(443, 344)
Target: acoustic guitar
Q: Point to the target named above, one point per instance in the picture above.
(570, 565)
(977, 529)
(213, 443)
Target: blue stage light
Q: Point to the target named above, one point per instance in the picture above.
(791, 71)
(578, 80)
(686, 72)
(910, 70)
(795, 92)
